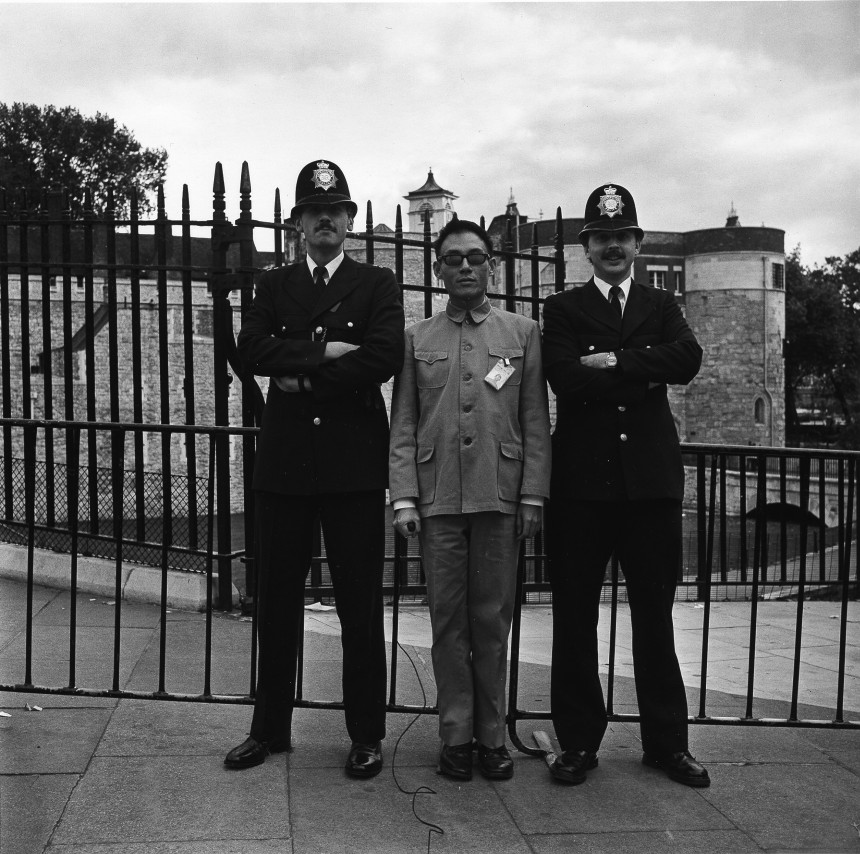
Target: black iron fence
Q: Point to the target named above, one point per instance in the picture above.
(128, 427)
(834, 567)
(142, 535)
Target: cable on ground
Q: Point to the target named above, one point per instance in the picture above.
(421, 790)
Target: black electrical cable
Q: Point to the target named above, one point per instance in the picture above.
(421, 790)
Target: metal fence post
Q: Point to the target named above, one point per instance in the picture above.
(510, 272)
(222, 327)
(251, 398)
(559, 252)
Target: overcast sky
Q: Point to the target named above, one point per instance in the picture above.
(691, 106)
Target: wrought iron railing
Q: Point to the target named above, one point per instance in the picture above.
(830, 571)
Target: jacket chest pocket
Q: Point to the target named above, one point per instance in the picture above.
(514, 357)
(431, 368)
(343, 327)
(293, 326)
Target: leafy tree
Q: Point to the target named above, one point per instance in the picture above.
(800, 348)
(823, 333)
(846, 271)
(45, 148)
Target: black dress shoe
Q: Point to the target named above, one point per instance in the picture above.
(572, 765)
(495, 762)
(364, 760)
(252, 752)
(455, 761)
(680, 767)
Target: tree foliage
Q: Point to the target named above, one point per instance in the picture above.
(823, 333)
(49, 148)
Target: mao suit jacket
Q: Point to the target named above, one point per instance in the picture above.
(334, 438)
(615, 437)
(458, 445)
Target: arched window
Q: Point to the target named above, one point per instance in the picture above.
(759, 410)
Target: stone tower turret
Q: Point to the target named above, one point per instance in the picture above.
(430, 200)
(735, 300)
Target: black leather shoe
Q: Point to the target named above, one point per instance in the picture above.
(455, 761)
(252, 752)
(680, 767)
(572, 765)
(495, 762)
(364, 760)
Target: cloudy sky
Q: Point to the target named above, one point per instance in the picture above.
(692, 106)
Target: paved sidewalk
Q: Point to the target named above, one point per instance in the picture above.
(110, 776)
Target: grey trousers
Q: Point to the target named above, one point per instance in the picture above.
(470, 562)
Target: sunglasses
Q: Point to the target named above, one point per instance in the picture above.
(455, 259)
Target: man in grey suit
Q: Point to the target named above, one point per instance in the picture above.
(469, 470)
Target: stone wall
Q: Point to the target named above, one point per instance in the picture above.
(740, 333)
(96, 406)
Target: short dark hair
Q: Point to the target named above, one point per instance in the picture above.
(458, 226)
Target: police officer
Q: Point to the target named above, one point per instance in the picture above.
(610, 349)
(327, 331)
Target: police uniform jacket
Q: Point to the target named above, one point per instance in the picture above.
(457, 444)
(335, 437)
(615, 438)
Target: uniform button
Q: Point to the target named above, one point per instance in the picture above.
(283, 329)
(318, 330)
(467, 347)
(467, 377)
(622, 409)
(317, 422)
(467, 408)
(467, 441)
(591, 346)
(349, 324)
(623, 437)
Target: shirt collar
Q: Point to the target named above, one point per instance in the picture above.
(477, 314)
(605, 286)
(330, 268)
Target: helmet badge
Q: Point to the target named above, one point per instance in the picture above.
(610, 204)
(324, 176)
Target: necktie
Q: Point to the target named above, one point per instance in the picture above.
(319, 280)
(615, 299)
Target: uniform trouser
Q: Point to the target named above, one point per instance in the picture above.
(646, 536)
(470, 561)
(353, 526)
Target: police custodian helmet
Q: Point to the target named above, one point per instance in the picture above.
(610, 208)
(322, 183)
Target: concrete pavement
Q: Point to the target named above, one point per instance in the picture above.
(126, 776)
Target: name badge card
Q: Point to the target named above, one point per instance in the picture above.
(500, 374)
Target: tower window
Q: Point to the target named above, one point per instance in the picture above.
(657, 279)
(778, 276)
(759, 411)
